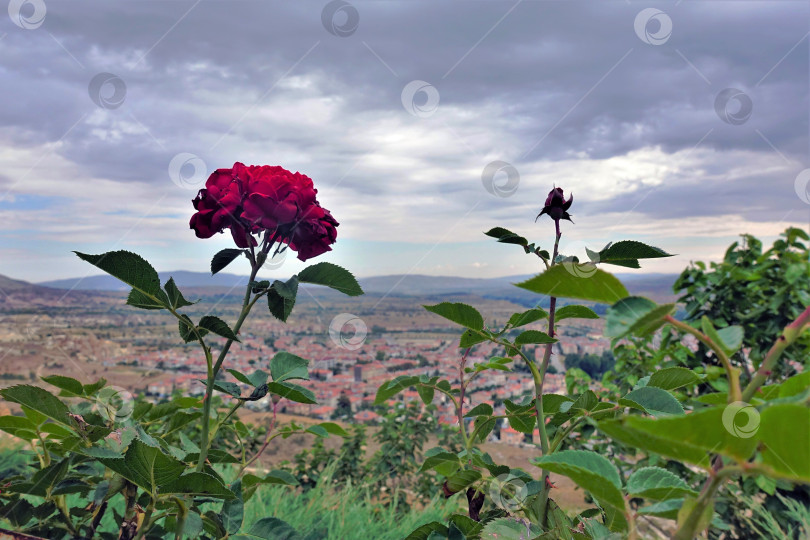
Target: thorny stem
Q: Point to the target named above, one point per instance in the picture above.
(688, 530)
(147, 522)
(788, 336)
(267, 439)
(209, 390)
(539, 379)
(460, 404)
(732, 373)
(690, 527)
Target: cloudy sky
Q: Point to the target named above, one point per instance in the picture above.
(682, 124)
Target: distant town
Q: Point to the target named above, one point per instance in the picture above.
(141, 351)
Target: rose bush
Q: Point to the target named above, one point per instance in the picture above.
(264, 200)
(169, 470)
(661, 447)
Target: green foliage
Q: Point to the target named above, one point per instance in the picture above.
(331, 275)
(635, 315)
(169, 458)
(760, 290)
(571, 280)
(462, 314)
(224, 258)
(626, 253)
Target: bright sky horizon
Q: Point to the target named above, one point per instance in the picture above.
(422, 125)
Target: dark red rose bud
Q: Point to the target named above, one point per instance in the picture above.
(475, 500)
(556, 206)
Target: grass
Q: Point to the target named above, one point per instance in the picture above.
(328, 511)
(345, 512)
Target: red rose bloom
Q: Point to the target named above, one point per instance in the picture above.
(264, 199)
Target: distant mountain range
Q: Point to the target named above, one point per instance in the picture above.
(656, 286)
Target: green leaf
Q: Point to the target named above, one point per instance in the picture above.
(691, 438)
(229, 388)
(393, 387)
(506, 236)
(463, 314)
(186, 329)
(39, 400)
(334, 429)
(657, 484)
(689, 503)
(147, 467)
(176, 299)
(522, 422)
(223, 259)
(68, 384)
(635, 315)
(199, 484)
(286, 366)
(665, 509)
(18, 426)
(652, 400)
(217, 326)
(785, 433)
(589, 470)
(92, 388)
(532, 337)
(627, 252)
(673, 377)
(462, 480)
(575, 312)
(257, 378)
(729, 339)
(280, 477)
(482, 409)
(318, 431)
(466, 525)
(470, 338)
(141, 300)
(445, 463)
(293, 392)
(424, 531)
(509, 529)
(128, 267)
(331, 275)
(562, 281)
(527, 317)
(281, 298)
(795, 385)
(426, 393)
(270, 528)
(276, 477)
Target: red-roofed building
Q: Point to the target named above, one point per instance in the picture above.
(511, 436)
(367, 417)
